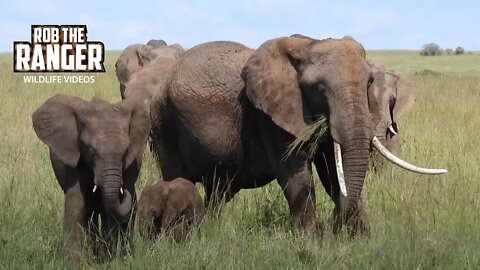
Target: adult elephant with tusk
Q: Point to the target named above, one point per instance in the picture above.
(389, 98)
(331, 78)
(229, 113)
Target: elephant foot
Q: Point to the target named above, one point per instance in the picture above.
(126, 247)
(355, 220)
(73, 254)
(306, 223)
(358, 223)
(216, 198)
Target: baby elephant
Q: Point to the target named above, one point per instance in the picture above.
(174, 206)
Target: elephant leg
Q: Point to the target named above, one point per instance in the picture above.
(93, 208)
(164, 144)
(358, 222)
(170, 163)
(110, 231)
(93, 231)
(172, 222)
(126, 239)
(74, 221)
(297, 184)
(126, 230)
(130, 176)
(218, 191)
(325, 163)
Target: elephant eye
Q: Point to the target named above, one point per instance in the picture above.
(91, 151)
(370, 80)
(391, 105)
(321, 87)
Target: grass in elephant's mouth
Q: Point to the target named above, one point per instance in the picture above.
(418, 222)
(308, 141)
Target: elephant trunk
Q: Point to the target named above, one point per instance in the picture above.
(381, 131)
(116, 204)
(355, 155)
(352, 132)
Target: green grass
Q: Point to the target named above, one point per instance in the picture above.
(418, 222)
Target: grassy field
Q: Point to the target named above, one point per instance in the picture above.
(418, 222)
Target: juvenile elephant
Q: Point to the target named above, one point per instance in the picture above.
(137, 56)
(150, 81)
(96, 151)
(389, 98)
(174, 205)
(229, 113)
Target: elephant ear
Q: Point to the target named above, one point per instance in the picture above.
(55, 123)
(128, 62)
(139, 129)
(146, 55)
(272, 82)
(405, 97)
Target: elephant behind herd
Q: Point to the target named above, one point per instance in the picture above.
(224, 115)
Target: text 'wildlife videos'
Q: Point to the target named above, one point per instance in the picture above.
(59, 79)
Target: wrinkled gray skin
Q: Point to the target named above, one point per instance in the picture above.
(94, 143)
(229, 113)
(390, 97)
(137, 56)
(151, 80)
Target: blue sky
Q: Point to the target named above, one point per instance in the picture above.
(376, 24)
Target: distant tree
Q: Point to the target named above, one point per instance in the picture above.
(448, 51)
(459, 50)
(431, 49)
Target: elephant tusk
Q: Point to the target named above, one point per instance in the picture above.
(392, 130)
(338, 162)
(401, 163)
(121, 191)
(94, 188)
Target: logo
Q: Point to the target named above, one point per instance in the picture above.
(58, 48)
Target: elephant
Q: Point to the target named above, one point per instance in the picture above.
(137, 56)
(174, 205)
(228, 114)
(150, 81)
(157, 43)
(96, 150)
(390, 97)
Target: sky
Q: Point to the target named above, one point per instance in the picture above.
(401, 24)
